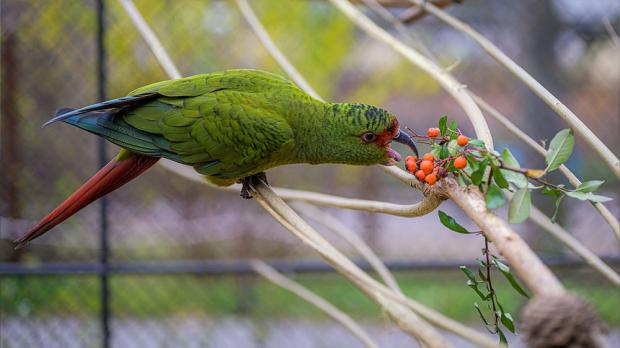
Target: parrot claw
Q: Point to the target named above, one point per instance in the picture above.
(249, 181)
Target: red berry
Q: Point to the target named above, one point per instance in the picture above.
(462, 140)
(460, 162)
(436, 170)
(428, 157)
(426, 166)
(433, 132)
(411, 166)
(420, 175)
(431, 179)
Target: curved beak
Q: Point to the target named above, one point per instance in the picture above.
(404, 138)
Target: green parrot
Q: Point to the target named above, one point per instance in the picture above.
(230, 126)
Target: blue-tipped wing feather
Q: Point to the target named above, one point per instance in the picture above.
(109, 104)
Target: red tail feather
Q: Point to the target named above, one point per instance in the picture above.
(114, 175)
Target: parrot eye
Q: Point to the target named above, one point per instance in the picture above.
(369, 137)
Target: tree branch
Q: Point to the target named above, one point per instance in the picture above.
(275, 277)
(352, 238)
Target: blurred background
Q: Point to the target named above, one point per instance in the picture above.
(162, 263)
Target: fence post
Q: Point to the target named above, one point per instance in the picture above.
(103, 205)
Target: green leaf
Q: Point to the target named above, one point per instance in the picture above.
(476, 177)
(511, 279)
(444, 152)
(453, 148)
(482, 275)
(560, 149)
(519, 208)
(477, 143)
(499, 178)
(450, 223)
(508, 322)
(484, 320)
(474, 286)
(443, 122)
(557, 209)
(453, 127)
(550, 191)
(518, 179)
(494, 197)
(588, 196)
(502, 337)
(589, 186)
(468, 273)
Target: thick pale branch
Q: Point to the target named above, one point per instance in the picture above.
(275, 277)
(554, 103)
(375, 290)
(352, 238)
(522, 259)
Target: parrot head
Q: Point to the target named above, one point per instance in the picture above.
(364, 134)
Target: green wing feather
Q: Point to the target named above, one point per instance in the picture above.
(222, 124)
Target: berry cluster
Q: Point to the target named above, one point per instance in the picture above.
(428, 169)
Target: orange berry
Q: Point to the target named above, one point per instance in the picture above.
(433, 132)
(411, 166)
(460, 162)
(426, 166)
(462, 140)
(420, 175)
(431, 179)
(410, 159)
(428, 157)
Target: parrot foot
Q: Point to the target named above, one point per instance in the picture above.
(251, 180)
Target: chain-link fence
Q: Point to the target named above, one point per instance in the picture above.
(161, 262)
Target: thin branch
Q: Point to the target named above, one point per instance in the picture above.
(451, 85)
(414, 13)
(572, 178)
(554, 103)
(151, 39)
(336, 226)
(411, 38)
(574, 245)
(275, 52)
(429, 203)
(277, 278)
(375, 290)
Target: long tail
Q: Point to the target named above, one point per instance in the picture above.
(119, 171)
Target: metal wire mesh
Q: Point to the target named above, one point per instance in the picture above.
(48, 61)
